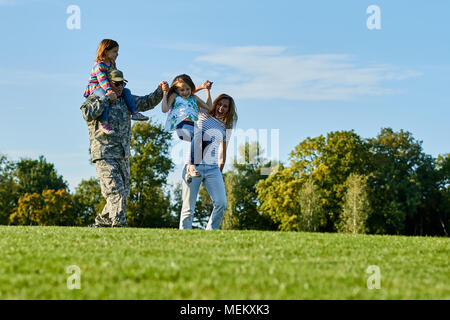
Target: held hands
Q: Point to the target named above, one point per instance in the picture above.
(164, 86)
(165, 107)
(206, 85)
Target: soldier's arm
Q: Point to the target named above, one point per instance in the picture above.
(93, 107)
(149, 101)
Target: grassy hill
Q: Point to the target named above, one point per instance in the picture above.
(195, 264)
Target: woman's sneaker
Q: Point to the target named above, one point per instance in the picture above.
(106, 128)
(139, 117)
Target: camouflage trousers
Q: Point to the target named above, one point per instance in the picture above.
(114, 178)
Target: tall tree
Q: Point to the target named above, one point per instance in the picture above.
(51, 207)
(328, 161)
(278, 197)
(150, 164)
(22, 177)
(35, 176)
(240, 183)
(88, 200)
(443, 208)
(311, 216)
(356, 206)
(395, 190)
(8, 189)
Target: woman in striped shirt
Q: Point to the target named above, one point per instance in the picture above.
(216, 127)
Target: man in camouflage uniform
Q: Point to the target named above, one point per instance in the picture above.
(110, 152)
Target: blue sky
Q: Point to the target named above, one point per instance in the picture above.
(303, 67)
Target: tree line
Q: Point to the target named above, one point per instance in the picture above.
(32, 193)
(334, 183)
(344, 183)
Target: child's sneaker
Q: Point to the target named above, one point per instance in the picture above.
(191, 172)
(106, 128)
(139, 117)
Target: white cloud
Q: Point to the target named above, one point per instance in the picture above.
(269, 72)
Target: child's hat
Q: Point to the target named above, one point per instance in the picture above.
(116, 75)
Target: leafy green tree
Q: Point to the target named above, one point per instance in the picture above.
(22, 177)
(35, 176)
(150, 164)
(51, 207)
(334, 159)
(328, 161)
(427, 218)
(8, 189)
(442, 210)
(395, 189)
(240, 183)
(88, 200)
(278, 197)
(26, 211)
(443, 167)
(356, 206)
(311, 210)
(156, 215)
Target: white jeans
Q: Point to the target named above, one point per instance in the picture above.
(213, 181)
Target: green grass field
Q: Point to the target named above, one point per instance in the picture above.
(196, 264)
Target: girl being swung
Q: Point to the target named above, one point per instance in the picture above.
(184, 105)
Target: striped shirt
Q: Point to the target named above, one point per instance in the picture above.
(213, 130)
(99, 77)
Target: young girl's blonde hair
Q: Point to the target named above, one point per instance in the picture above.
(182, 78)
(105, 45)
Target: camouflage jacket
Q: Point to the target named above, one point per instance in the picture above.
(116, 145)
